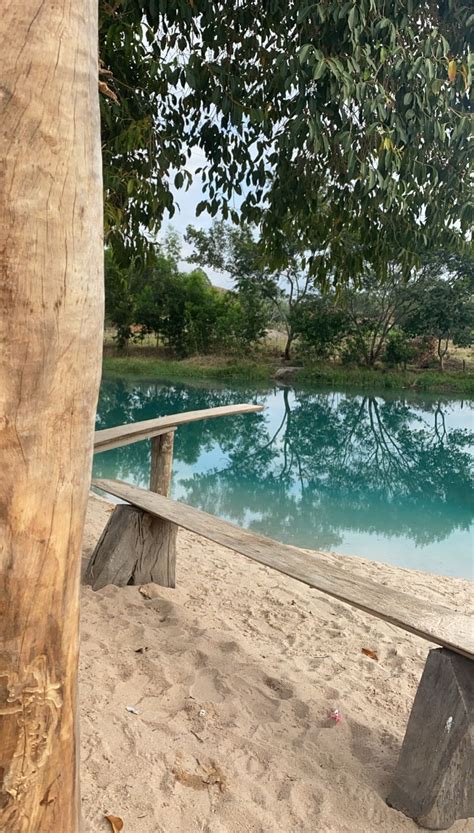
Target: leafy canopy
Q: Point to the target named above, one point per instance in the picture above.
(347, 123)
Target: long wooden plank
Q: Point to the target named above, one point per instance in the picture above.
(120, 441)
(430, 621)
(134, 432)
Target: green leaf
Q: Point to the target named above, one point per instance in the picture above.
(353, 18)
(319, 69)
(304, 52)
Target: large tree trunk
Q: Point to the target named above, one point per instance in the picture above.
(51, 329)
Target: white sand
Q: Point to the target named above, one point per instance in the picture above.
(233, 674)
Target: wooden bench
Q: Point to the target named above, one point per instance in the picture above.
(434, 781)
(152, 540)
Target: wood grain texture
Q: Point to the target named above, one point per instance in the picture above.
(51, 310)
(164, 566)
(162, 463)
(151, 427)
(121, 440)
(434, 780)
(133, 550)
(435, 623)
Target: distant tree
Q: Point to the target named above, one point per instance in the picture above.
(119, 301)
(259, 280)
(374, 307)
(154, 294)
(136, 289)
(444, 309)
(320, 324)
(294, 286)
(235, 250)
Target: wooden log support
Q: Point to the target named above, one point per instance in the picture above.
(160, 481)
(434, 779)
(162, 463)
(134, 548)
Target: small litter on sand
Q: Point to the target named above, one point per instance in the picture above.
(369, 653)
(115, 822)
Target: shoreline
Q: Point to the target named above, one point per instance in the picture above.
(233, 675)
(231, 370)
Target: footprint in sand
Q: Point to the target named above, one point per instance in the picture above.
(282, 690)
(209, 686)
(229, 647)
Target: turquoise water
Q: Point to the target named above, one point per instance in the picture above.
(383, 476)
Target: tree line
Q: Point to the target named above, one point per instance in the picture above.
(366, 321)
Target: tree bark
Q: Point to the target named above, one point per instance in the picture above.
(51, 310)
(442, 353)
(289, 342)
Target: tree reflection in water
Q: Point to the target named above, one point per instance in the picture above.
(313, 465)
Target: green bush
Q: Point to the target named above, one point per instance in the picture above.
(399, 349)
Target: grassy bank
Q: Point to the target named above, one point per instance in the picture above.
(421, 380)
(231, 369)
(188, 369)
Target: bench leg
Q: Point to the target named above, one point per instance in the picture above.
(162, 463)
(434, 779)
(134, 548)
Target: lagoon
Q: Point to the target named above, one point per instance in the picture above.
(385, 476)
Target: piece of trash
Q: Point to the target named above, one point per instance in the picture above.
(141, 650)
(369, 653)
(115, 822)
(449, 725)
(335, 715)
(132, 710)
(202, 712)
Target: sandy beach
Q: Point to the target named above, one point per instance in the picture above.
(233, 676)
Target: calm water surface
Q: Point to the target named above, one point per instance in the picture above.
(383, 476)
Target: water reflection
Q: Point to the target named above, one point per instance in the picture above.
(327, 470)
